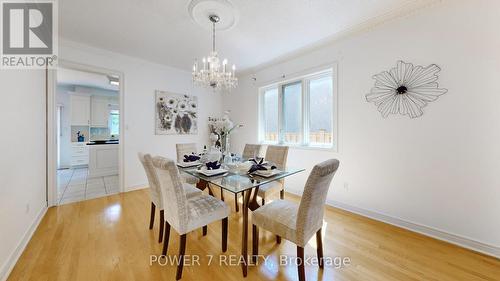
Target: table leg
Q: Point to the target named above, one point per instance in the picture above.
(244, 238)
(253, 204)
(248, 204)
(202, 184)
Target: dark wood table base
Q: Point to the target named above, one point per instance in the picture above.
(249, 203)
(202, 185)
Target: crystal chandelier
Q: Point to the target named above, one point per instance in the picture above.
(212, 73)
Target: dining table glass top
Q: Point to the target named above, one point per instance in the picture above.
(236, 181)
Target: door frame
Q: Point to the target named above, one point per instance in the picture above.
(52, 126)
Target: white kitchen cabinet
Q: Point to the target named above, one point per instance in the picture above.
(80, 110)
(79, 154)
(99, 112)
(103, 160)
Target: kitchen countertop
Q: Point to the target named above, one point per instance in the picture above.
(108, 142)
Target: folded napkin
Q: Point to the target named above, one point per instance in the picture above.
(213, 165)
(257, 165)
(191, 158)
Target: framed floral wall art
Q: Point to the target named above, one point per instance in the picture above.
(175, 114)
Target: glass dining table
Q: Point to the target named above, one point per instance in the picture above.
(236, 182)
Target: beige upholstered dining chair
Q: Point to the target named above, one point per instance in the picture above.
(298, 223)
(250, 151)
(276, 155)
(155, 192)
(186, 214)
(186, 149)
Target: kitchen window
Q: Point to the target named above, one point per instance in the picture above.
(114, 122)
(300, 112)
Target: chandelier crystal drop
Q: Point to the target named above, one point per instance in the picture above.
(212, 73)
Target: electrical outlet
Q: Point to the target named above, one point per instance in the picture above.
(27, 208)
(346, 186)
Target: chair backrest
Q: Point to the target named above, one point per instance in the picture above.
(154, 187)
(173, 194)
(277, 155)
(184, 149)
(251, 150)
(311, 208)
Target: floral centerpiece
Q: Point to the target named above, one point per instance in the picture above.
(222, 129)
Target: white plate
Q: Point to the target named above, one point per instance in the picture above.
(267, 174)
(188, 164)
(210, 173)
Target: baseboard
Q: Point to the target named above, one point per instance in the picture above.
(464, 242)
(14, 256)
(458, 240)
(136, 187)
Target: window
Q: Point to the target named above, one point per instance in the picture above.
(321, 111)
(114, 122)
(271, 115)
(292, 113)
(299, 112)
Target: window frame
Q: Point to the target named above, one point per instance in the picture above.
(304, 79)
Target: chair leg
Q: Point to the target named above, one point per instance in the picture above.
(152, 217)
(300, 264)
(182, 250)
(278, 239)
(166, 238)
(282, 194)
(162, 219)
(205, 230)
(319, 248)
(224, 234)
(236, 202)
(255, 242)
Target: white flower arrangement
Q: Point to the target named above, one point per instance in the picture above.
(222, 127)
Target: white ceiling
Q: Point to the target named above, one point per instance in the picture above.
(162, 31)
(67, 76)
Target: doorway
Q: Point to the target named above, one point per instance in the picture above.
(85, 146)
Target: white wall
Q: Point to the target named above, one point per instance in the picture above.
(22, 160)
(440, 170)
(141, 79)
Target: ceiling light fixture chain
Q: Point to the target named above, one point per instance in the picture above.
(214, 19)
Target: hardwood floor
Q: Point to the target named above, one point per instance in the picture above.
(108, 239)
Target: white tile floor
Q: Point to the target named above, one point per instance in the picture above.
(74, 185)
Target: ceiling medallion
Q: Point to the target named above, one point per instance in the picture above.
(212, 73)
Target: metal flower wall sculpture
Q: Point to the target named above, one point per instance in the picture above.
(405, 89)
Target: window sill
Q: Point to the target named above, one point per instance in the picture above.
(331, 148)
